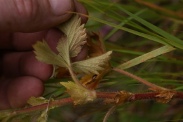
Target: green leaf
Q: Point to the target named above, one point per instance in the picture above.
(76, 37)
(63, 48)
(37, 101)
(46, 55)
(79, 94)
(122, 24)
(147, 36)
(92, 65)
(68, 46)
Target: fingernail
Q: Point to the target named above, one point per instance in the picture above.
(60, 7)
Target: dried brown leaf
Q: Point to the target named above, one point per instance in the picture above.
(95, 45)
(120, 98)
(165, 96)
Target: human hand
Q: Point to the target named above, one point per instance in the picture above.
(22, 75)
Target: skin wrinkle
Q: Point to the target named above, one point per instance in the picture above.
(7, 21)
(26, 9)
(64, 15)
(10, 69)
(33, 15)
(50, 36)
(29, 6)
(19, 43)
(57, 19)
(37, 67)
(15, 9)
(6, 44)
(72, 8)
(17, 95)
(33, 8)
(18, 57)
(31, 18)
(20, 10)
(19, 6)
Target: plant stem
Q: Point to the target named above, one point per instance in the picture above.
(100, 95)
(106, 95)
(40, 107)
(110, 111)
(136, 96)
(73, 75)
(147, 83)
(161, 9)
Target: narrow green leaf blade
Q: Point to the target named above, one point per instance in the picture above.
(122, 24)
(146, 57)
(144, 35)
(170, 39)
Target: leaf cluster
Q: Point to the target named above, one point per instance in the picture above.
(70, 46)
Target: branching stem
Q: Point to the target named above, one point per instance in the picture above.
(147, 83)
(100, 95)
(55, 103)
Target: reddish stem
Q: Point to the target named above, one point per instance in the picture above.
(160, 9)
(100, 95)
(139, 79)
(179, 95)
(143, 96)
(135, 97)
(107, 95)
(55, 103)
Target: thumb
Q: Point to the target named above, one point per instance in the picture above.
(33, 15)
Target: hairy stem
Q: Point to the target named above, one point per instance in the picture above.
(147, 83)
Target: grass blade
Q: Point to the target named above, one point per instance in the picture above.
(147, 56)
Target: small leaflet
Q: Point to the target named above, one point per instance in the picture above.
(92, 65)
(79, 94)
(75, 36)
(37, 101)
